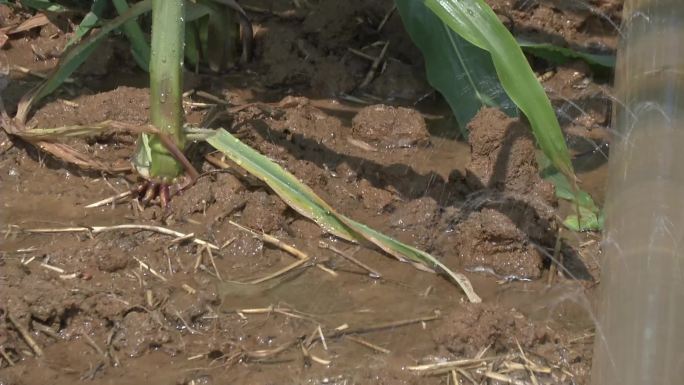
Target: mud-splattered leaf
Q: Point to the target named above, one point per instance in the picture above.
(463, 73)
(302, 199)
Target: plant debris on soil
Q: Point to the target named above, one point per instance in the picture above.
(166, 301)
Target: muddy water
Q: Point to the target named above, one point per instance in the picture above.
(479, 206)
(351, 298)
(200, 336)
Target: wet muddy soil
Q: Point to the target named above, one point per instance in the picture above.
(84, 300)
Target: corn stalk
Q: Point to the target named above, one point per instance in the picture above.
(152, 160)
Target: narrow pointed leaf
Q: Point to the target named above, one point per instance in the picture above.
(302, 199)
(90, 20)
(587, 214)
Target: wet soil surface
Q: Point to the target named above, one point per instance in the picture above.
(120, 305)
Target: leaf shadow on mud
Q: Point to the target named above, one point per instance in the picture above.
(454, 192)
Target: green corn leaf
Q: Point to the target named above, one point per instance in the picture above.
(564, 189)
(195, 11)
(73, 59)
(475, 21)
(463, 73)
(195, 17)
(214, 45)
(142, 157)
(90, 20)
(192, 46)
(44, 5)
(140, 47)
(559, 55)
(302, 199)
(590, 221)
(298, 196)
(498, 54)
(588, 216)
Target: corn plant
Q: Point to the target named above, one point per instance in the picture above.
(468, 27)
(159, 156)
(474, 61)
(153, 160)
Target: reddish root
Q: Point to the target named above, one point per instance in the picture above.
(147, 191)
